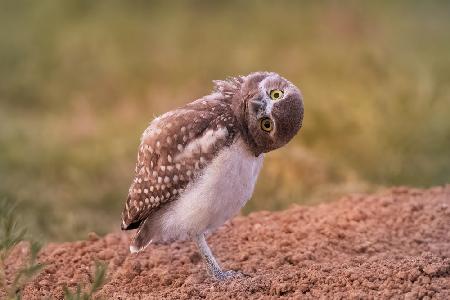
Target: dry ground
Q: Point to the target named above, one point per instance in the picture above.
(395, 244)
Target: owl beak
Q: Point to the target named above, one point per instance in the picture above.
(258, 108)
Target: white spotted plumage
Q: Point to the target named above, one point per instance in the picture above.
(172, 157)
(225, 186)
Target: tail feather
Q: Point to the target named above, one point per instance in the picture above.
(143, 236)
(133, 249)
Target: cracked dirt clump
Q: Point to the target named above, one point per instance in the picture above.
(379, 246)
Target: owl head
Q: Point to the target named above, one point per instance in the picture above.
(270, 110)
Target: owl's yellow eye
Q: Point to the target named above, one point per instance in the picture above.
(276, 94)
(266, 124)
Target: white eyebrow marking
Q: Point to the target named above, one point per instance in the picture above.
(269, 102)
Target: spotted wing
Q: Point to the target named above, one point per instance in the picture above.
(174, 150)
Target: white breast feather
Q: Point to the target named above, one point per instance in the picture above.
(226, 185)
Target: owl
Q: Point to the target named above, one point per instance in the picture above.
(197, 165)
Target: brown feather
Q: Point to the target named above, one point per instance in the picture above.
(171, 155)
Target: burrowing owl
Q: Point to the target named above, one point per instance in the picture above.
(197, 165)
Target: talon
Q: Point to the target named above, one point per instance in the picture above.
(227, 275)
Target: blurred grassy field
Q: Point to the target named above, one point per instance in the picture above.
(80, 80)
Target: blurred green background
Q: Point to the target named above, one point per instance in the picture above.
(80, 80)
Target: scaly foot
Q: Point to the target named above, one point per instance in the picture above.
(225, 275)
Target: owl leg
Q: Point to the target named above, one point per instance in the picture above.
(211, 263)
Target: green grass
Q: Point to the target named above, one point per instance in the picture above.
(11, 234)
(79, 81)
(99, 278)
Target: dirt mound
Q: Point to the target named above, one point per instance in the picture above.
(381, 246)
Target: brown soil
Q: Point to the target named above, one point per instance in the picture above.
(390, 245)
